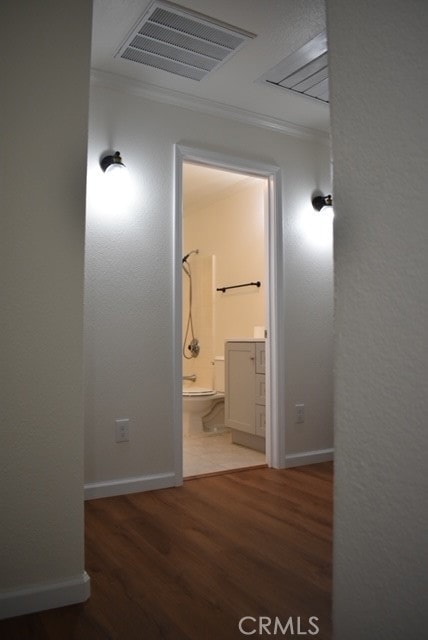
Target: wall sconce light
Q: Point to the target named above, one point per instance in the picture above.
(322, 201)
(112, 163)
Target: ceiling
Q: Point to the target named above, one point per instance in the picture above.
(202, 184)
(281, 27)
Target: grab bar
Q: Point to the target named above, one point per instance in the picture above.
(237, 286)
(192, 377)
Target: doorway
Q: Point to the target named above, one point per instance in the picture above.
(269, 175)
(224, 296)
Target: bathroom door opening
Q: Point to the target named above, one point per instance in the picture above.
(224, 291)
(226, 235)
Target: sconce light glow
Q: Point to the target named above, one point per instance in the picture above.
(316, 228)
(113, 190)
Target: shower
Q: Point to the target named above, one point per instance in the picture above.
(193, 347)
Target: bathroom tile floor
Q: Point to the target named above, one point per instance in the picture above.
(214, 453)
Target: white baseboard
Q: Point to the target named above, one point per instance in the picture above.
(308, 457)
(39, 597)
(137, 484)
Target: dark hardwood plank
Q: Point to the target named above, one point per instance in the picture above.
(188, 563)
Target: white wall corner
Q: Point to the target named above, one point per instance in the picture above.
(39, 597)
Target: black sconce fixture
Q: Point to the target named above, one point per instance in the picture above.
(322, 201)
(108, 163)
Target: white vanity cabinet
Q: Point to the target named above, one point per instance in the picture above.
(245, 391)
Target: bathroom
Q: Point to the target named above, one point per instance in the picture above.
(224, 245)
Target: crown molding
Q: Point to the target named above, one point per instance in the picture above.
(201, 105)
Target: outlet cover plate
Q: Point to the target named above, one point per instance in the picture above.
(122, 430)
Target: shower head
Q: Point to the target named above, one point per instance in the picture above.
(189, 254)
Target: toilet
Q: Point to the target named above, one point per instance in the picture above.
(203, 408)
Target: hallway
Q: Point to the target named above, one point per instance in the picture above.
(189, 563)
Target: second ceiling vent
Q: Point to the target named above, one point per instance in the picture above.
(305, 71)
(180, 41)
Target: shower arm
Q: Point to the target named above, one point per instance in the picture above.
(184, 259)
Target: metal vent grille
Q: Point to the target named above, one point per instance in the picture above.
(305, 71)
(182, 42)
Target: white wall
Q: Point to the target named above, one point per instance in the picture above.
(240, 257)
(45, 78)
(379, 97)
(129, 268)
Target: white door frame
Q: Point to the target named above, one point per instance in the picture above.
(275, 355)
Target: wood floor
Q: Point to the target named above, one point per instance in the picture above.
(188, 563)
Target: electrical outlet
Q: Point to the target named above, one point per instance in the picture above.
(122, 430)
(300, 413)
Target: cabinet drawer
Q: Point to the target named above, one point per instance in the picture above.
(260, 388)
(260, 357)
(260, 420)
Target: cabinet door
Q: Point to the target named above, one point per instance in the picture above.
(240, 386)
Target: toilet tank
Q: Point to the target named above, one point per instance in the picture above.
(219, 373)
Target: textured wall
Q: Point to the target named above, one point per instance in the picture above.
(129, 313)
(43, 149)
(379, 84)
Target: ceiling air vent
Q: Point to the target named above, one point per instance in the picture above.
(180, 41)
(305, 71)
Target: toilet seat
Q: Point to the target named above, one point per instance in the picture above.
(198, 391)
